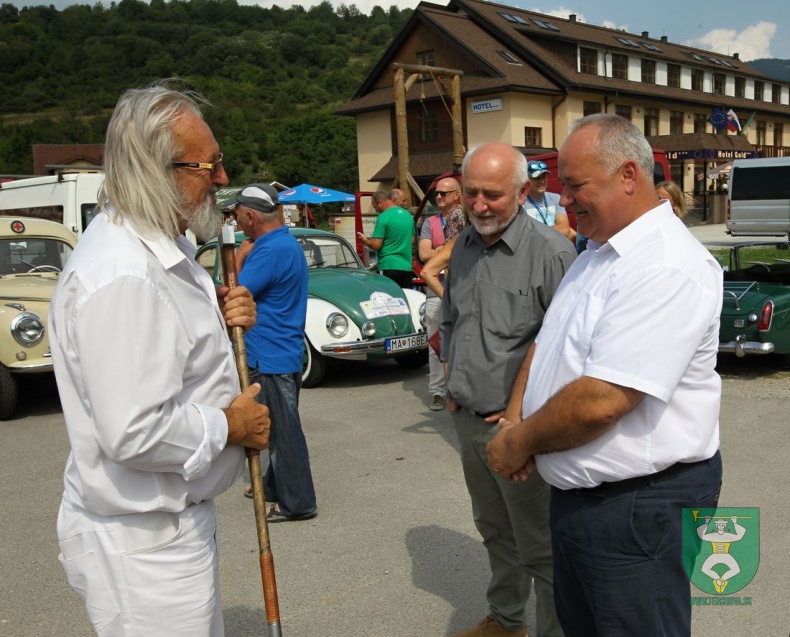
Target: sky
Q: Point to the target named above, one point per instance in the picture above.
(760, 29)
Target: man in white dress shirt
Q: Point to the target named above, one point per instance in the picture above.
(148, 382)
(622, 397)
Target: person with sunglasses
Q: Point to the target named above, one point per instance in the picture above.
(148, 381)
(435, 232)
(544, 206)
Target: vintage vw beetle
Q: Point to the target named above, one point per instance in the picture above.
(755, 315)
(32, 255)
(351, 313)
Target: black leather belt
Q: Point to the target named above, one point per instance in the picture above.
(606, 489)
(480, 414)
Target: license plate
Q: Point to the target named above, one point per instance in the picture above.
(395, 345)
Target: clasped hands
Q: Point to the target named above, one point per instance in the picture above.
(505, 455)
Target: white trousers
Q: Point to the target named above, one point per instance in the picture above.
(145, 574)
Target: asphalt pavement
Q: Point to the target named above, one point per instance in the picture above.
(393, 551)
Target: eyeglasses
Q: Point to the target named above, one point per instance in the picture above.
(537, 165)
(444, 193)
(212, 167)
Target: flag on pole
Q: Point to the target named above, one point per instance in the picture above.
(718, 118)
(733, 125)
(748, 124)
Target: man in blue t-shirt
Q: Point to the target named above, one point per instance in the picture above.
(545, 206)
(275, 272)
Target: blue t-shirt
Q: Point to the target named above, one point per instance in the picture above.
(275, 273)
(546, 210)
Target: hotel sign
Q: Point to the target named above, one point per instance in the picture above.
(712, 154)
(486, 106)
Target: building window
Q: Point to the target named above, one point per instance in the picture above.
(759, 88)
(778, 134)
(651, 121)
(619, 66)
(700, 122)
(512, 17)
(697, 79)
(589, 61)
(623, 111)
(429, 126)
(740, 87)
(533, 136)
(760, 134)
(591, 108)
(649, 71)
(673, 75)
(425, 58)
(776, 93)
(676, 122)
(719, 83)
(509, 58)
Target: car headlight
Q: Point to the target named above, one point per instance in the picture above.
(27, 329)
(423, 320)
(337, 325)
(369, 329)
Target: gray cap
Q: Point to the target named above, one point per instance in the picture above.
(260, 197)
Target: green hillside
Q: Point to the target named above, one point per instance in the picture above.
(777, 69)
(274, 77)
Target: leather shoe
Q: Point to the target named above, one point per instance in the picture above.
(490, 627)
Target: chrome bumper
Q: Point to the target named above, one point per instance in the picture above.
(741, 347)
(372, 346)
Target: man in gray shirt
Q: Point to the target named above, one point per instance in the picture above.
(503, 273)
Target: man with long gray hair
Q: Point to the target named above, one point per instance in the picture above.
(148, 382)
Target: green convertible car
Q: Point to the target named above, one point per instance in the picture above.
(755, 316)
(351, 313)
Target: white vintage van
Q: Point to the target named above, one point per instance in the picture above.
(68, 197)
(758, 200)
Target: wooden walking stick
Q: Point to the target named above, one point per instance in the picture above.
(228, 245)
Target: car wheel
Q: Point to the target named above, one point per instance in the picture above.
(414, 360)
(8, 393)
(314, 368)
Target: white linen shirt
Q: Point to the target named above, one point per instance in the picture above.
(641, 311)
(144, 367)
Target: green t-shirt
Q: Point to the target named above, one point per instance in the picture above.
(395, 226)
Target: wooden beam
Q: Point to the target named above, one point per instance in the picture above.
(426, 70)
(401, 131)
(458, 123)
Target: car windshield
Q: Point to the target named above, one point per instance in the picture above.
(20, 255)
(326, 251)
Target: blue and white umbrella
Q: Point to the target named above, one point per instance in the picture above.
(308, 194)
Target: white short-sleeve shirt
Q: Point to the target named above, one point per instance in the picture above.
(641, 311)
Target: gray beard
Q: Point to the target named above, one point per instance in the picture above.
(488, 228)
(205, 220)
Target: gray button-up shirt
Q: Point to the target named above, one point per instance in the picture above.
(493, 306)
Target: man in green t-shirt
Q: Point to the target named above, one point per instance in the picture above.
(392, 238)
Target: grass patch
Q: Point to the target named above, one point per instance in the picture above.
(768, 254)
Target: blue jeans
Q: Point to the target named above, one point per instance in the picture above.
(288, 479)
(617, 554)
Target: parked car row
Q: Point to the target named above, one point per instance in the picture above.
(352, 313)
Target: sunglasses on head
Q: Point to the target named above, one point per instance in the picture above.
(537, 165)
